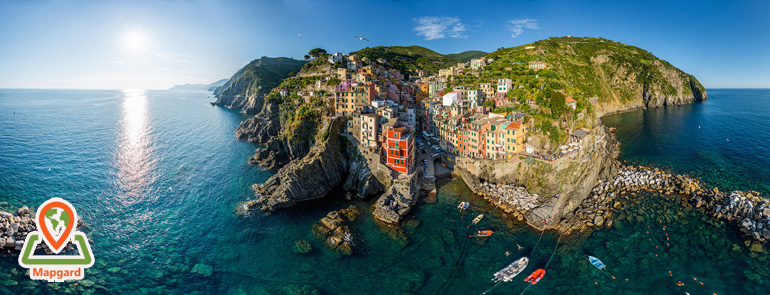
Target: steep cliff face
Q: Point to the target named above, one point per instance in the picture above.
(571, 178)
(245, 90)
(261, 127)
(660, 84)
(310, 177)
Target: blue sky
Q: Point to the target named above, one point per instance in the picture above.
(155, 44)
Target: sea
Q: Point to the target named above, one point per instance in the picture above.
(157, 178)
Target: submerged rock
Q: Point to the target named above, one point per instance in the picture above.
(302, 246)
(202, 269)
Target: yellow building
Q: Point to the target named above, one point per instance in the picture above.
(515, 133)
(368, 69)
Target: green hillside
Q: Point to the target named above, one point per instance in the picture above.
(466, 56)
(408, 58)
(613, 75)
(260, 76)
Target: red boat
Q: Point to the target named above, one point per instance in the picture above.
(484, 233)
(535, 276)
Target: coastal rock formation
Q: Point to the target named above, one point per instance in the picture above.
(571, 178)
(747, 210)
(246, 88)
(307, 178)
(398, 200)
(334, 230)
(262, 127)
(368, 176)
(14, 228)
(511, 198)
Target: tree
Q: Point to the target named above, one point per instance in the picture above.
(558, 105)
(316, 52)
(489, 103)
(307, 57)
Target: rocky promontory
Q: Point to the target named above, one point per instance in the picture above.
(310, 177)
(398, 200)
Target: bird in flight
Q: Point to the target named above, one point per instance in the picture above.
(361, 38)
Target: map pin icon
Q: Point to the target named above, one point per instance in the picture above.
(57, 219)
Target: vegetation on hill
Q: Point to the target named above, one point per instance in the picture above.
(466, 56)
(612, 75)
(260, 76)
(409, 58)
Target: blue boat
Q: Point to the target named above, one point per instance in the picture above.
(596, 262)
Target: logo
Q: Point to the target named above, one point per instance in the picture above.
(56, 220)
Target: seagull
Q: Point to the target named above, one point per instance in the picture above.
(361, 38)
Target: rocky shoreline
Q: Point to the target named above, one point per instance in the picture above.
(14, 229)
(747, 210)
(513, 199)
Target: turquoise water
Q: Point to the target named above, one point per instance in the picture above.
(724, 140)
(157, 176)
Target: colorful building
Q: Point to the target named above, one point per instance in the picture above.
(537, 65)
(503, 85)
(369, 129)
(515, 133)
(399, 148)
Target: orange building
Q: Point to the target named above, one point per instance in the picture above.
(399, 148)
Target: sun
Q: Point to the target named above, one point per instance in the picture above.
(135, 41)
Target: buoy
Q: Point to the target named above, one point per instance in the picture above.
(614, 278)
(701, 283)
(656, 255)
(626, 279)
(694, 279)
(596, 283)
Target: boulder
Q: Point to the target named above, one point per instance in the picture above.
(23, 211)
(5, 215)
(756, 247)
(10, 242)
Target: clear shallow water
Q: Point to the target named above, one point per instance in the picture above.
(724, 141)
(157, 176)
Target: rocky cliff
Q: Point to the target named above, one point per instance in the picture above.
(571, 178)
(247, 87)
(310, 177)
(330, 163)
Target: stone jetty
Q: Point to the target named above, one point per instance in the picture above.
(749, 211)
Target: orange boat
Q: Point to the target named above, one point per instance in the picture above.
(535, 276)
(484, 233)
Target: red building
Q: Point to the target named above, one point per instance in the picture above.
(399, 148)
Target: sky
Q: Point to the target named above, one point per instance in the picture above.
(157, 44)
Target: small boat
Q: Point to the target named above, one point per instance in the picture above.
(464, 205)
(478, 219)
(596, 262)
(512, 270)
(535, 276)
(484, 233)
